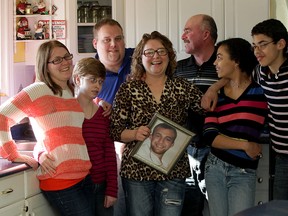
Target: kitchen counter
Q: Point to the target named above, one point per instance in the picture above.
(8, 168)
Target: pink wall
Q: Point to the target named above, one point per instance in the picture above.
(23, 76)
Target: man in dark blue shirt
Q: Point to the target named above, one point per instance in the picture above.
(110, 46)
(114, 80)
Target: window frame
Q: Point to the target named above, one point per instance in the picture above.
(6, 49)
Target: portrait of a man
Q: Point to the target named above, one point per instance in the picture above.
(159, 142)
(164, 146)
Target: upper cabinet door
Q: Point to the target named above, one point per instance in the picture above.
(167, 17)
(181, 10)
(242, 15)
(234, 18)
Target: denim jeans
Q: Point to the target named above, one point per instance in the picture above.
(76, 200)
(99, 197)
(230, 189)
(280, 188)
(199, 154)
(154, 198)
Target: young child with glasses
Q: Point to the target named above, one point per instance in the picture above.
(88, 76)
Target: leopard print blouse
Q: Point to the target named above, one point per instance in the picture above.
(134, 106)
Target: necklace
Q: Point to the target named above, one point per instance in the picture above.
(241, 85)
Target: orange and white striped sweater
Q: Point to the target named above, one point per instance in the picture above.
(57, 125)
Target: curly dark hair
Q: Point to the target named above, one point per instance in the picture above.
(240, 51)
(137, 68)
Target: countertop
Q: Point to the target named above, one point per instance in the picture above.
(8, 167)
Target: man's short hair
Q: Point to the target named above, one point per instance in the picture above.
(165, 126)
(106, 21)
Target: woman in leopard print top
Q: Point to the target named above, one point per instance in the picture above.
(152, 89)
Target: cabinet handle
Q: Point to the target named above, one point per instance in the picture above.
(25, 208)
(260, 180)
(7, 191)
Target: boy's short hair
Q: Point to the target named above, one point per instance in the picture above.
(239, 50)
(272, 28)
(89, 66)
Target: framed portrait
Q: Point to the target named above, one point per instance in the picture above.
(165, 145)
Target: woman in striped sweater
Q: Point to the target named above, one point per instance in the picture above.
(56, 118)
(88, 76)
(233, 130)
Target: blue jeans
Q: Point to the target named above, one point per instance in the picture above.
(154, 198)
(280, 188)
(99, 197)
(76, 200)
(230, 189)
(199, 154)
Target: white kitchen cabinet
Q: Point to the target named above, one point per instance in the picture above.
(12, 195)
(242, 15)
(234, 18)
(80, 34)
(38, 206)
(35, 202)
(31, 184)
(20, 195)
(263, 179)
(11, 189)
(16, 209)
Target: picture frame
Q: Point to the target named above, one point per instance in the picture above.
(165, 145)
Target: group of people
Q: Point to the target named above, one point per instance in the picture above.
(75, 155)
